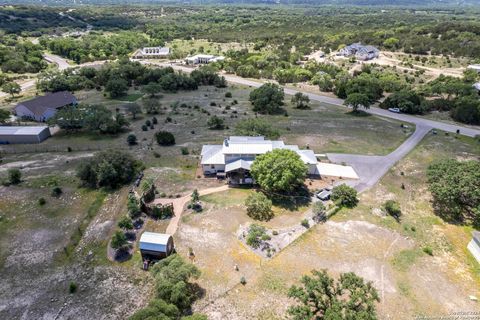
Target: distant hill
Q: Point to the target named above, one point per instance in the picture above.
(413, 3)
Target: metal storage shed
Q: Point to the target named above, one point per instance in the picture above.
(25, 135)
(155, 246)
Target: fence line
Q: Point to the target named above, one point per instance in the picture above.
(42, 149)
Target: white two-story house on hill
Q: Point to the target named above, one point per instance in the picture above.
(235, 156)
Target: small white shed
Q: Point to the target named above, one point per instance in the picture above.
(155, 246)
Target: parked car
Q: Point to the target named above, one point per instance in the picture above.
(324, 194)
(396, 110)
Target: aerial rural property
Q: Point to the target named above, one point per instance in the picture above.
(225, 160)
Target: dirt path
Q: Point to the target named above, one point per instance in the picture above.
(179, 204)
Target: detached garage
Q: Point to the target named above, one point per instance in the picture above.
(155, 246)
(25, 135)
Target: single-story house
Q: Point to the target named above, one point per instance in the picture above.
(360, 51)
(203, 59)
(23, 135)
(155, 246)
(474, 245)
(475, 67)
(234, 157)
(152, 53)
(44, 107)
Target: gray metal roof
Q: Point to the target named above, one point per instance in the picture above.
(21, 130)
(56, 100)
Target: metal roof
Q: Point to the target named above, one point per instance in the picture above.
(212, 154)
(336, 170)
(307, 156)
(245, 146)
(153, 241)
(55, 100)
(243, 164)
(21, 130)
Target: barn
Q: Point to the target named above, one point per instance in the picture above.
(155, 246)
(23, 134)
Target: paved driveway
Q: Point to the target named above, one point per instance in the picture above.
(371, 169)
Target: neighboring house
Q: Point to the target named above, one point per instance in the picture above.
(360, 51)
(152, 53)
(155, 246)
(44, 107)
(203, 59)
(475, 67)
(474, 245)
(23, 135)
(235, 156)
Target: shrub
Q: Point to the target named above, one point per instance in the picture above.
(345, 196)
(185, 151)
(393, 209)
(132, 139)
(259, 207)
(305, 223)
(119, 240)
(154, 120)
(72, 287)
(256, 127)
(148, 123)
(318, 208)
(56, 191)
(165, 138)
(428, 251)
(255, 235)
(14, 176)
(144, 128)
(216, 123)
(243, 281)
(133, 206)
(228, 94)
(125, 223)
(42, 201)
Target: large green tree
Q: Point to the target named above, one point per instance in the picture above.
(267, 99)
(11, 88)
(301, 101)
(345, 196)
(455, 186)
(110, 168)
(280, 170)
(259, 207)
(408, 101)
(357, 100)
(172, 277)
(321, 297)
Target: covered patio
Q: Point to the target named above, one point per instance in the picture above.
(238, 172)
